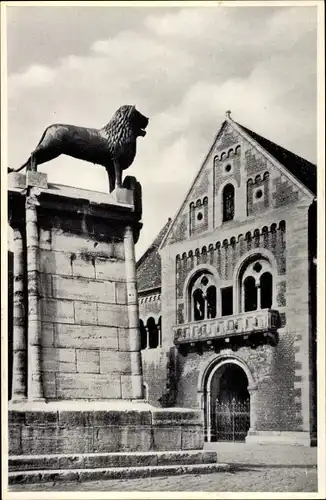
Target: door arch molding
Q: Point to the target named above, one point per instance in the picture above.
(218, 361)
(205, 378)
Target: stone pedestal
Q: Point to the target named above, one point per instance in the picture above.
(102, 427)
(79, 386)
(81, 328)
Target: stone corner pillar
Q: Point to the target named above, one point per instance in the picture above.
(252, 389)
(133, 314)
(35, 182)
(19, 387)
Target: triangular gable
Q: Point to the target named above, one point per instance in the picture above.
(300, 172)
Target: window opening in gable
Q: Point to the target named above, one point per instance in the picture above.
(228, 203)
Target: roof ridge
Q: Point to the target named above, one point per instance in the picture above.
(303, 170)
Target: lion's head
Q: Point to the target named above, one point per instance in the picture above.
(128, 118)
(138, 121)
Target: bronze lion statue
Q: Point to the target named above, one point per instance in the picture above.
(113, 146)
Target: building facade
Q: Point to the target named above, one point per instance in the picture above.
(227, 295)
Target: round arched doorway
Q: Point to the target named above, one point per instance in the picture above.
(227, 405)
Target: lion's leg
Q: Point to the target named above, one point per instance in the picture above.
(111, 177)
(32, 164)
(118, 174)
(42, 155)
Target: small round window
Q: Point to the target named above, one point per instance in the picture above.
(199, 216)
(259, 194)
(228, 168)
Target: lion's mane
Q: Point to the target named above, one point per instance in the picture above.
(120, 130)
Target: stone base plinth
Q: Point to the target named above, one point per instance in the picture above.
(103, 466)
(101, 427)
(279, 437)
(82, 440)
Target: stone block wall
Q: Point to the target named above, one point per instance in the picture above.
(101, 431)
(273, 397)
(161, 376)
(83, 307)
(156, 373)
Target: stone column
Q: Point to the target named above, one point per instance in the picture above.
(209, 417)
(147, 337)
(19, 386)
(34, 384)
(159, 333)
(258, 296)
(253, 407)
(133, 314)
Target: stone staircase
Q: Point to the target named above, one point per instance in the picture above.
(104, 466)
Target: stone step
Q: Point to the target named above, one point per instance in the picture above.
(107, 473)
(105, 460)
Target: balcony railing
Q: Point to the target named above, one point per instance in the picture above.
(248, 323)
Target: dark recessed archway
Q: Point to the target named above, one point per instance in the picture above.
(229, 404)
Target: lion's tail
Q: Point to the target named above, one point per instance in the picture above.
(26, 165)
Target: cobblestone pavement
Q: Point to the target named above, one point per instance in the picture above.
(256, 468)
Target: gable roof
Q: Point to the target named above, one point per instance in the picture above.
(302, 169)
(148, 268)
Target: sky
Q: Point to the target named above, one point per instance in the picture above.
(182, 67)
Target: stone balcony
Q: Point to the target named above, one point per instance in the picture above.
(245, 329)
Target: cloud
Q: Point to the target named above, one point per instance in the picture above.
(183, 69)
(34, 76)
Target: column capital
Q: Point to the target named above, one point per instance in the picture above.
(32, 198)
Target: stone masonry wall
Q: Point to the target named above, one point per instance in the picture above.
(224, 256)
(274, 396)
(271, 213)
(284, 393)
(83, 311)
(155, 373)
(259, 187)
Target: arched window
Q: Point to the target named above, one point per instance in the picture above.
(250, 294)
(228, 202)
(143, 335)
(256, 285)
(202, 298)
(198, 305)
(153, 334)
